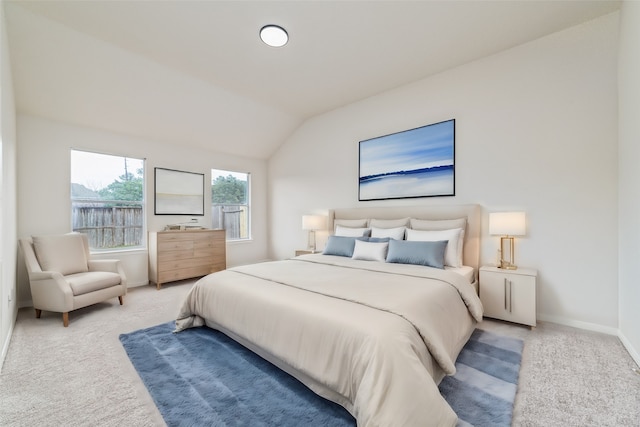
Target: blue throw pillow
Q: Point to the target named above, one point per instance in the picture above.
(430, 254)
(378, 239)
(341, 245)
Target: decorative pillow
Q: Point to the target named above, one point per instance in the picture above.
(442, 224)
(430, 254)
(453, 254)
(351, 232)
(340, 246)
(62, 253)
(351, 223)
(377, 239)
(393, 233)
(438, 224)
(389, 223)
(370, 251)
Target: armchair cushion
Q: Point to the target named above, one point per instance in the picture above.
(63, 253)
(84, 283)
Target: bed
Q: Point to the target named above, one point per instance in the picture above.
(375, 337)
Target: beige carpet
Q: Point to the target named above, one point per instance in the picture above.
(81, 376)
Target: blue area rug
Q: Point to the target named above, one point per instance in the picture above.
(202, 377)
(484, 387)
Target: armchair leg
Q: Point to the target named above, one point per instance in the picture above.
(38, 313)
(65, 319)
(120, 299)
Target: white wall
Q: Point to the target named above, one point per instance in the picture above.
(8, 306)
(536, 129)
(73, 77)
(44, 185)
(629, 176)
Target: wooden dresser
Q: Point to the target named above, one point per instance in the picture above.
(182, 254)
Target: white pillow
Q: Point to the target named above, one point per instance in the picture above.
(393, 233)
(370, 251)
(453, 253)
(351, 232)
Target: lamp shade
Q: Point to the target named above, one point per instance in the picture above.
(314, 222)
(507, 223)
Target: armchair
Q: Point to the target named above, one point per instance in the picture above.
(63, 278)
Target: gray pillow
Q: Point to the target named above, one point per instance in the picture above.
(340, 245)
(430, 254)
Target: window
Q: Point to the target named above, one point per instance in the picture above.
(230, 203)
(107, 200)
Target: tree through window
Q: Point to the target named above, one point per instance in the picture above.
(230, 203)
(107, 199)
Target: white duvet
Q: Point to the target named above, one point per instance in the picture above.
(373, 337)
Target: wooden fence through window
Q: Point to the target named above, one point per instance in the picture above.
(109, 227)
(233, 218)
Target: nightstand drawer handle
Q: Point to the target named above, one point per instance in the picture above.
(507, 305)
(505, 293)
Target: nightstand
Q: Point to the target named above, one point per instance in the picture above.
(303, 252)
(509, 294)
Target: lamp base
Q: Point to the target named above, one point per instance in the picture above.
(312, 241)
(506, 265)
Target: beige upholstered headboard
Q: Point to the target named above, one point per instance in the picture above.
(471, 254)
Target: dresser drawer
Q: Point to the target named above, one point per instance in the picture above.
(178, 255)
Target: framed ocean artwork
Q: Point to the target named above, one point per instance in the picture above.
(418, 162)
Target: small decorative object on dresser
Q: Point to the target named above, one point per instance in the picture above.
(509, 294)
(183, 254)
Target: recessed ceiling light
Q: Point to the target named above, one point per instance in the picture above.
(274, 35)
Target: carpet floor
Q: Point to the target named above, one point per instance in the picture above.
(200, 376)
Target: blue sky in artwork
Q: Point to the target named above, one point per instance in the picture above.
(419, 148)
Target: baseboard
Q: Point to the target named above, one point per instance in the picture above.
(137, 284)
(5, 345)
(632, 351)
(578, 324)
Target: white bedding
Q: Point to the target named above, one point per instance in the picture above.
(465, 271)
(373, 337)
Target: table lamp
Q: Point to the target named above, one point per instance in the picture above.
(313, 223)
(507, 225)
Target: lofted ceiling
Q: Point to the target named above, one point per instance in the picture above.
(196, 72)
